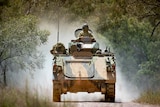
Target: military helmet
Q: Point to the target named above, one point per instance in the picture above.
(85, 25)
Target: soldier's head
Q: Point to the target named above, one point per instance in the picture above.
(85, 27)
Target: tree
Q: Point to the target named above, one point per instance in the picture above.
(129, 39)
(19, 38)
(149, 72)
(146, 9)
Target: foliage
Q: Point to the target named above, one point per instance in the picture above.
(129, 39)
(151, 68)
(19, 39)
(146, 9)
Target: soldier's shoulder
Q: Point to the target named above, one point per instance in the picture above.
(90, 34)
(81, 33)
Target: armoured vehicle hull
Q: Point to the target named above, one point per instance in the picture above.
(84, 68)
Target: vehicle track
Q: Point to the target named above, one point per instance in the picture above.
(102, 104)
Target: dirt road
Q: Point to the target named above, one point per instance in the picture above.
(93, 100)
(101, 104)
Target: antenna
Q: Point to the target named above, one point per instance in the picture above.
(58, 10)
(58, 28)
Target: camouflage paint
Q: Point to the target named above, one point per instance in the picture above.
(94, 68)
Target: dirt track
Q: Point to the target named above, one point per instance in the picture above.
(101, 104)
(95, 100)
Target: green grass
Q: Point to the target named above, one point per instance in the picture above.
(150, 97)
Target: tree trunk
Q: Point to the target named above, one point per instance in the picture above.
(4, 76)
(4, 70)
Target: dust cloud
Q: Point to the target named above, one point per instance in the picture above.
(125, 90)
(40, 81)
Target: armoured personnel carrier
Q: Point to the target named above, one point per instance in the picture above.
(83, 67)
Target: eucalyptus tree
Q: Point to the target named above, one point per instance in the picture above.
(19, 38)
(146, 9)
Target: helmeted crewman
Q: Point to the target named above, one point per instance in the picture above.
(85, 31)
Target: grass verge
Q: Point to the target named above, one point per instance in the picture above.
(150, 97)
(15, 98)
